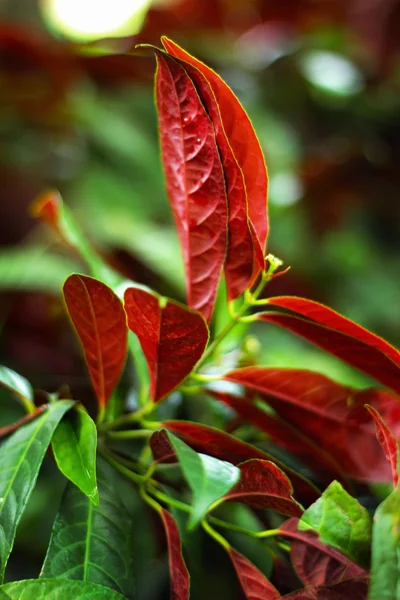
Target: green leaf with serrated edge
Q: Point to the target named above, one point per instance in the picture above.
(74, 445)
(209, 478)
(17, 384)
(385, 567)
(93, 544)
(57, 589)
(341, 522)
(21, 456)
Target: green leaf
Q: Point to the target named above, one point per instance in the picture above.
(385, 569)
(17, 384)
(56, 589)
(341, 522)
(3, 595)
(74, 445)
(20, 458)
(209, 478)
(93, 544)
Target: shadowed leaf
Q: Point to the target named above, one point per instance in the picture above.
(351, 589)
(178, 570)
(387, 440)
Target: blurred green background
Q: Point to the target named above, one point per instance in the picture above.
(320, 80)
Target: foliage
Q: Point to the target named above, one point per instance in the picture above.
(285, 436)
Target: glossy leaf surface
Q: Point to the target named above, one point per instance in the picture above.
(334, 333)
(242, 140)
(16, 384)
(330, 414)
(100, 323)
(21, 456)
(56, 589)
(340, 521)
(226, 447)
(178, 571)
(93, 543)
(263, 485)
(195, 181)
(209, 478)
(74, 445)
(254, 584)
(173, 338)
(388, 442)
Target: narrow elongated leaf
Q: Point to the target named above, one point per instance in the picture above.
(263, 485)
(93, 544)
(388, 442)
(209, 478)
(74, 445)
(385, 564)
(16, 384)
(245, 256)
(21, 456)
(226, 447)
(351, 589)
(177, 568)
(341, 521)
(242, 140)
(195, 181)
(330, 414)
(254, 584)
(339, 336)
(100, 323)
(173, 338)
(56, 589)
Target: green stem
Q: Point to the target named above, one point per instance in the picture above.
(131, 434)
(214, 534)
(112, 460)
(134, 417)
(168, 500)
(149, 500)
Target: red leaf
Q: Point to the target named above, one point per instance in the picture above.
(327, 412)
(387, 440)
(173, 338)
(178, 572)
(284, 435)
(195, 181)
(314, 562)
(224, 446)
(339, 336)
(254, 584)
(264, 485)
(47, 207)
(351, 589)
(162, 448)
(245, 256)
(100, 322)
(243, 141)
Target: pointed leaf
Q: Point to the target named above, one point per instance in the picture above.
(254, 584)
(178, 570)
(242, 140)
(245, 256)
(56, 589)
(339, 336)
(340, 521)
(351, 589)
(385, 565)
(195, 181)
(93, 544)
(21, 456)
(226, 447)
(16, 384)
(209, 478)
(74, 445)
(100, 323)
(387, 440)
(263, 485)
(330, 414)
(173, 338)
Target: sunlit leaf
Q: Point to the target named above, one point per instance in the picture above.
(56, 589)
(16, 384)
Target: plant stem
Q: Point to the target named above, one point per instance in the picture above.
(130, 434)
(168, 500)
(214, 534)
(111, 459)
(134, 417)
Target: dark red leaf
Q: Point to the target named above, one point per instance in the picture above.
(339, 336)
(161, 447)
(254, 584)
(245, 257)
(316, 563)
(180, 582)
(284, 435)
(330, 414)
(100, 322)
(224, 446)
(5, 431)
(243, 141)
(195, 181)
(173, 338)
(387, 440)
(264, 485)
(351, 589)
